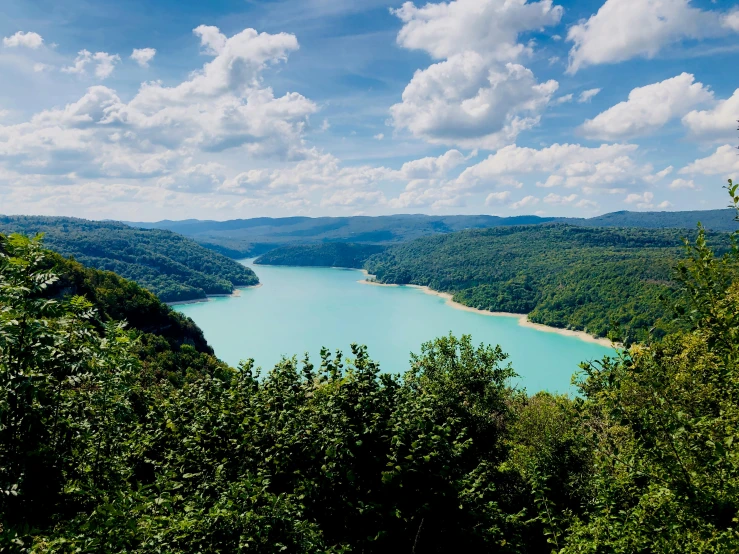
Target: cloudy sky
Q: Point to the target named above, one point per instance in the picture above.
(153, 109)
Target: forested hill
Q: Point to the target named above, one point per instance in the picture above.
(247, 237)
(169, 265)
(102, 424)
(592, 279)
(327, 254)
(252, 237)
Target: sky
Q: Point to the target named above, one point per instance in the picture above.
(159, 109)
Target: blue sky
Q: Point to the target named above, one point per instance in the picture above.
(224, 109)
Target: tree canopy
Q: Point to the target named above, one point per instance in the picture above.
(169, 265)
(117, 440)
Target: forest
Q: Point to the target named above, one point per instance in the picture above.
(171, 266)
(244, 238)
(133, 437)
(327, 254)
(608, 282)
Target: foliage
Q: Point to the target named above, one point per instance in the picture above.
(664, 424)
(171, 266)
(598, 280)
(243, 238)
(327, 254)
(121, 441)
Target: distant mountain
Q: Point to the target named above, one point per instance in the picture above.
(171, 266)
(252, 237)
(713, 220)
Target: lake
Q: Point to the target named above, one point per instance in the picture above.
(301, 309)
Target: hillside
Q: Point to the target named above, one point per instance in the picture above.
(101, 425)
(248, 237)
(240, 238)
(327, 254)
(594, 279)
(169, 265)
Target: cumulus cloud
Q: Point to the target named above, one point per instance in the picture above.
(678, 184)
(588, 95)
(525, 202)
(224, 105)
(379, 136)
(495, 198)
(659, 175)
(642, 201)
(624, 29)
(432, 167)
(143, 56)
(491, 26)
(476, 96)
(724, 161)
(731, 20)
(557, 199)
(27, 40)
(608, 167)
(717, 123)
(464, 101)
(648, 108)
(104, 63)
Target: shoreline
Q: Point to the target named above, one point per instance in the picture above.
(523, 319)
(234, 294)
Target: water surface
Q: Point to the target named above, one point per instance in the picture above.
(301, 309)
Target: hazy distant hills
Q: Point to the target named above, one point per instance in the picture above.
(246, 237)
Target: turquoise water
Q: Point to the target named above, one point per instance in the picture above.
(300, 309)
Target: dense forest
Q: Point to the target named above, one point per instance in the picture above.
(327, 254)
(115, 439)
(242, 238)
(603, 281)
(169, 265)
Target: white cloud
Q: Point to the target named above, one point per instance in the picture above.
(724, 161)
(354, 199)
(476, 96)
(588, 95)
(552, 198)
(143, 56)
(664, 205)
(718, 123)
(379, 136)
(325, 126)
(432, 167)
(224, 105)
(681, 184)
(27, 40)
(198, 178)
(624, 29)
(563, 99)
(211, 39)
(586, 204)
(525, 202)
(642, 201)
(104, 63)
(605, 168)
(731, 20)
(465, 102)
(648, 108)
(484, 26)
(659, 175)
(41, 67)
(495, 198)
